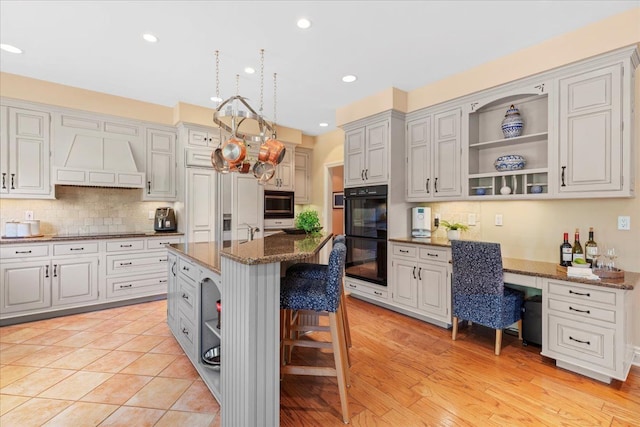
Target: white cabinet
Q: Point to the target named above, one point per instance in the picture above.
(201, 205)
(75, 280)
(24, 154)
(592, 158)
(25, 286)
(366, 154)
(247, 201)
(161, 165)
(172, 289)
(588, 329)
(421, 281)
(202, 137)
(434, 156)
(283, 179)
(302, 180)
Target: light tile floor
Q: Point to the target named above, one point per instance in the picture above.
(115, 367)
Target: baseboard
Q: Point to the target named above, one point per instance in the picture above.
(636, 357)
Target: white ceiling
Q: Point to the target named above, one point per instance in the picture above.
(97, 45)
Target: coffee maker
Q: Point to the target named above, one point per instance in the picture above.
(165, 220)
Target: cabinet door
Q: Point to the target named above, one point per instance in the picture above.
(446, 154)
(247, 201)
(201, 203)
(285, 172)
(377, 146)
(591, 131)
(25, 286)
(405, 283)
(302, 183)
(419, 158)
(75, 280)
(172, 289)
(354, 157)
(29, 159)
(432, 288)
(4, 150)
(161, 165)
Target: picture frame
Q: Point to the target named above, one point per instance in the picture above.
(338, 200)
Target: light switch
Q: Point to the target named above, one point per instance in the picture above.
(499, 220)
(471, 219)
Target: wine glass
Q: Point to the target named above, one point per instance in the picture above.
(612, 255)
(598, 258)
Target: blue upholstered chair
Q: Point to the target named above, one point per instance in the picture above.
(318, 294)
(478, 290)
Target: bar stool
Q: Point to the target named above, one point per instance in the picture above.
(320, 295)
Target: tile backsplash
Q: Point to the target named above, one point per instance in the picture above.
(80, 210)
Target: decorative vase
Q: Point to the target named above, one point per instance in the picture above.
(453, 234)
(512, 123)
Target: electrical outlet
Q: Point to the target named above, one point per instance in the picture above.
(499, 220)
(437, 215)
(471, 219)
(152, 214)
(28, 215)
(624, 223)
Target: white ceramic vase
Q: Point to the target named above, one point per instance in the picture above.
(453, 234)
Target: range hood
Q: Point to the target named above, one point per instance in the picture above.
(100, 162)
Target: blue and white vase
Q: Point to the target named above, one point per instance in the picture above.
(512, 123)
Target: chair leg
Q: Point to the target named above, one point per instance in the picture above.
(337, 334)
(520, 329)
(343, 342)
(345, 318)
(498, 341)
(454, 329)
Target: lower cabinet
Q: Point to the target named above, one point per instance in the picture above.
(588, 329)
(172, 289)
(75, 280)
(25, 286)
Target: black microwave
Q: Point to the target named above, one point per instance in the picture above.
(278, 204)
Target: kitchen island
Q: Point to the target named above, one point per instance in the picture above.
(245, 278)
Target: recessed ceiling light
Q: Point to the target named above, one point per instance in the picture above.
(303, 23)
(249, 70)
(323, 125)
(150, 37)
(9, 48)
(349, 78)
(216, 99)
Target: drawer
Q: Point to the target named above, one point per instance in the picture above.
(160, 243)
(77, 248)
(582, 341)
(125, 245)
(522, 280)
(434, 254)
(133, 285)
(582, 310)
(198, 157)
(405, 251)
(186, 298)
(28, 251)
(278, 223)
(582, 293)
(137, 263)
(187, 268)
(186, 335)
(361, 289)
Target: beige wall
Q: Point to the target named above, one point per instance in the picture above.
(337, 184)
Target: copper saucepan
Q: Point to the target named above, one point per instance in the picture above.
(234, 150)
(218, 162)
(272, 151)
(264, 171)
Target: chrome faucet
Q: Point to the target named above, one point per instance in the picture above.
(252, 231)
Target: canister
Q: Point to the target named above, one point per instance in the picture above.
(24, 229)
(11, 229)
(35, 226)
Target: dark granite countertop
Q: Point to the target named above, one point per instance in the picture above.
(545, 269)
(275, 248)
(47, 238)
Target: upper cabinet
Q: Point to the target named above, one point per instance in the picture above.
(202, 137)
(24, 154)
(302, 180)
(592, 155)
(284, 178)
(433, 150)
(490, 178)
(160, 165)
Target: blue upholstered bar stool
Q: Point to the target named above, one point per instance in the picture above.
(319, 271)
(478, 290)
(320, 294)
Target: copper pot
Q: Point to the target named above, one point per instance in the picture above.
(263, 156)
(244, 167)
(277, 151)
(218, 162)
(264, 171)
(234, 151)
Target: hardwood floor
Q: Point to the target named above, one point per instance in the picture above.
(409, 373)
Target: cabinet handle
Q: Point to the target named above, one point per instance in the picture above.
(46, 271)
(366, 174)
(185, 268)
(404, 251)
(185, 331)
(55, 270)
(414, 272)
(162, 281)
(378, 293)
(76, 249)
(432, 255)
(420, 273)
(125, 263)
(185, 296)
(581, 294)
(563, 184)
(23, 252)
(163, 260)
(126, 286)
(126, 246)
(362, 174)
(173, 269)
(4, 180)
(435, 185)
(580, 341)
(148, 187)
(352, 286)
(427, 186)
(13, 177)
(580, 311)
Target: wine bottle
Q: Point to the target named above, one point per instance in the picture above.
(576, 250)
(591, 249)
(565, 252)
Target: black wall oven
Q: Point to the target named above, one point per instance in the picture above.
(279, 204)
(365, 219)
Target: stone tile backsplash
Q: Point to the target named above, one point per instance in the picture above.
(80, 210)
